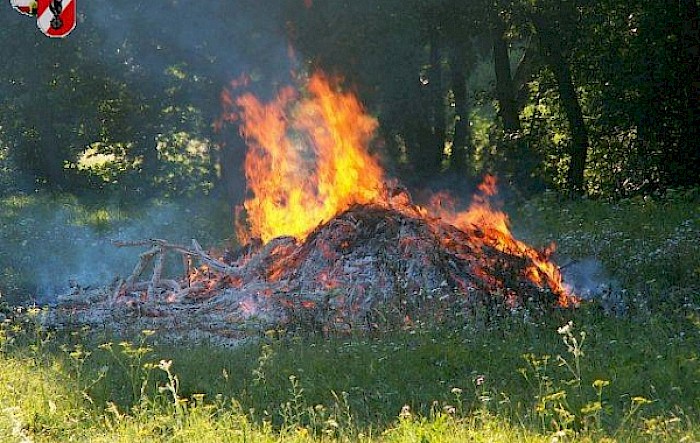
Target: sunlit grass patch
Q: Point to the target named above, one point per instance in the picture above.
(583, 377)
(36, 398)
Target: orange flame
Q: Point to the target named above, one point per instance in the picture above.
(308, 161)
(307, 158)
(494, 230)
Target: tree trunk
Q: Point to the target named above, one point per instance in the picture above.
(687, 163)
(690, 37)
(569, 101)
(505, 89)
(461, 145)
(436, 100)
(231, 157)
(520, 161)
(579, 133)
(45, 153)
(527, 66)
(425, 134)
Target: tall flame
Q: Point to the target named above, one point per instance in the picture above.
(307, 158)
(308, 161)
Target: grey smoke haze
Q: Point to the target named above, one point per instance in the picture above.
(587, 277)
(217, 40)
(589, 280)
(63, 250)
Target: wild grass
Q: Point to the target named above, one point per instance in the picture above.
(648, 249)
(592, 377)
(589, 374)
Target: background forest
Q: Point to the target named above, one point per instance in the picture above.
(598, 99)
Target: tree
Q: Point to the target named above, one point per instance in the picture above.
(519, 158)
(461, 144)
(639, 66)
(505, 85)
(550, 29)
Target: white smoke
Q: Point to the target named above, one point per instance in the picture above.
(588, 279)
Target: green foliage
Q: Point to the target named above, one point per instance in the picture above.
(186, 165)
(7, 171)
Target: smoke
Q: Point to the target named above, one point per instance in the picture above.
(215, 41)
(460, 186)
(588, 279)
(72, 246)
(183, 54)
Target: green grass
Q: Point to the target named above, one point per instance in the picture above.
(511, 380)
(516, 377)
(650, 246)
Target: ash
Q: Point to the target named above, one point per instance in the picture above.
(368, 267)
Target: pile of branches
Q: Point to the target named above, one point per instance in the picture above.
(364, 267)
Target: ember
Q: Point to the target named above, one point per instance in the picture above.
(329, 240)
(308, 161)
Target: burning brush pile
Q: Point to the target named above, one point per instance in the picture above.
(330, 242)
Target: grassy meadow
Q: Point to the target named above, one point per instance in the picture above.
(622, 367)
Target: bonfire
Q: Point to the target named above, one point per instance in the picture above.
(328, 240)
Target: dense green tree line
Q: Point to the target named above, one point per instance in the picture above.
(599, 98)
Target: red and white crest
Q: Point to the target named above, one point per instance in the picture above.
(56, 18)
(26, 7)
